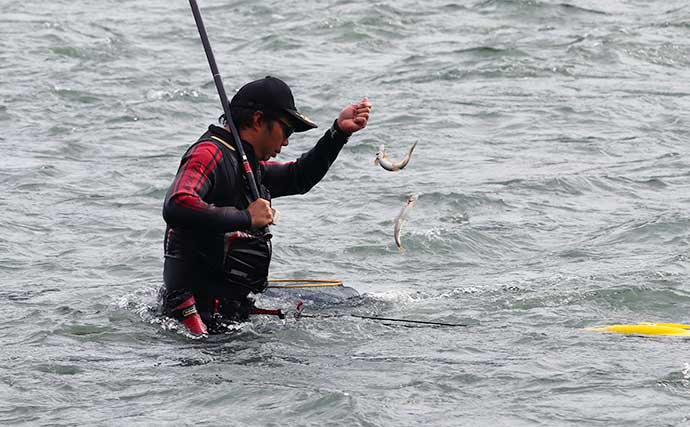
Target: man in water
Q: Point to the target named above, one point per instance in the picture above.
(217, 249)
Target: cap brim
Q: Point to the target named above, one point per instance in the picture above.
(302, 123)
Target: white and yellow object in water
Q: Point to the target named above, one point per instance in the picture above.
(646, 328)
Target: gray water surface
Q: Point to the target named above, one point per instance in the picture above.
(553, 170)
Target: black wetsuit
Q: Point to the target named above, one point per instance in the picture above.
(209, 198)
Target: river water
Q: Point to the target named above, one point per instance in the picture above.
(552, 169)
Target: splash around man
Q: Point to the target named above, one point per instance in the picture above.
(216, 247)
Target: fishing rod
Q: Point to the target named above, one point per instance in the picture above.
(224, 99)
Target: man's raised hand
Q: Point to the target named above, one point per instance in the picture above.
(354, 117)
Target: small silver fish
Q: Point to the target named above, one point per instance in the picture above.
(400, 219)
(387, 164)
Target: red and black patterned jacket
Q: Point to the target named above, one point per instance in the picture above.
(209, 197)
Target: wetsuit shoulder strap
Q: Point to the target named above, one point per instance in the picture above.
(218, 141)
(222, 141)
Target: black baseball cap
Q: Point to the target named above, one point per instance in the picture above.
(273, 94)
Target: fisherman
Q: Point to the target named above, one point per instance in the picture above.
(217, 248)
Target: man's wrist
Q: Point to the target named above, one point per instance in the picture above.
(337, 133)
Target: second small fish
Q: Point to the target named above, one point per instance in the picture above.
(400, 219)
(387, 164)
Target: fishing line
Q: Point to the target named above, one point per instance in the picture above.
(322, 283)
(384, 319)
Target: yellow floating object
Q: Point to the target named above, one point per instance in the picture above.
(645, 328)
(673, 325)
(304, 283)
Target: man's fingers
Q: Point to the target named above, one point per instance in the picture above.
(364, 116)
(364, 103)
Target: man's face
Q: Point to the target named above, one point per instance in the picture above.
(274, 137)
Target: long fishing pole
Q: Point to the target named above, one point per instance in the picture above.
(224, 99)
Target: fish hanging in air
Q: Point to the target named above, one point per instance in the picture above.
(400, 219)
(387, 164)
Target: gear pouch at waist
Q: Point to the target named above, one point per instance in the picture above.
(245, 262)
